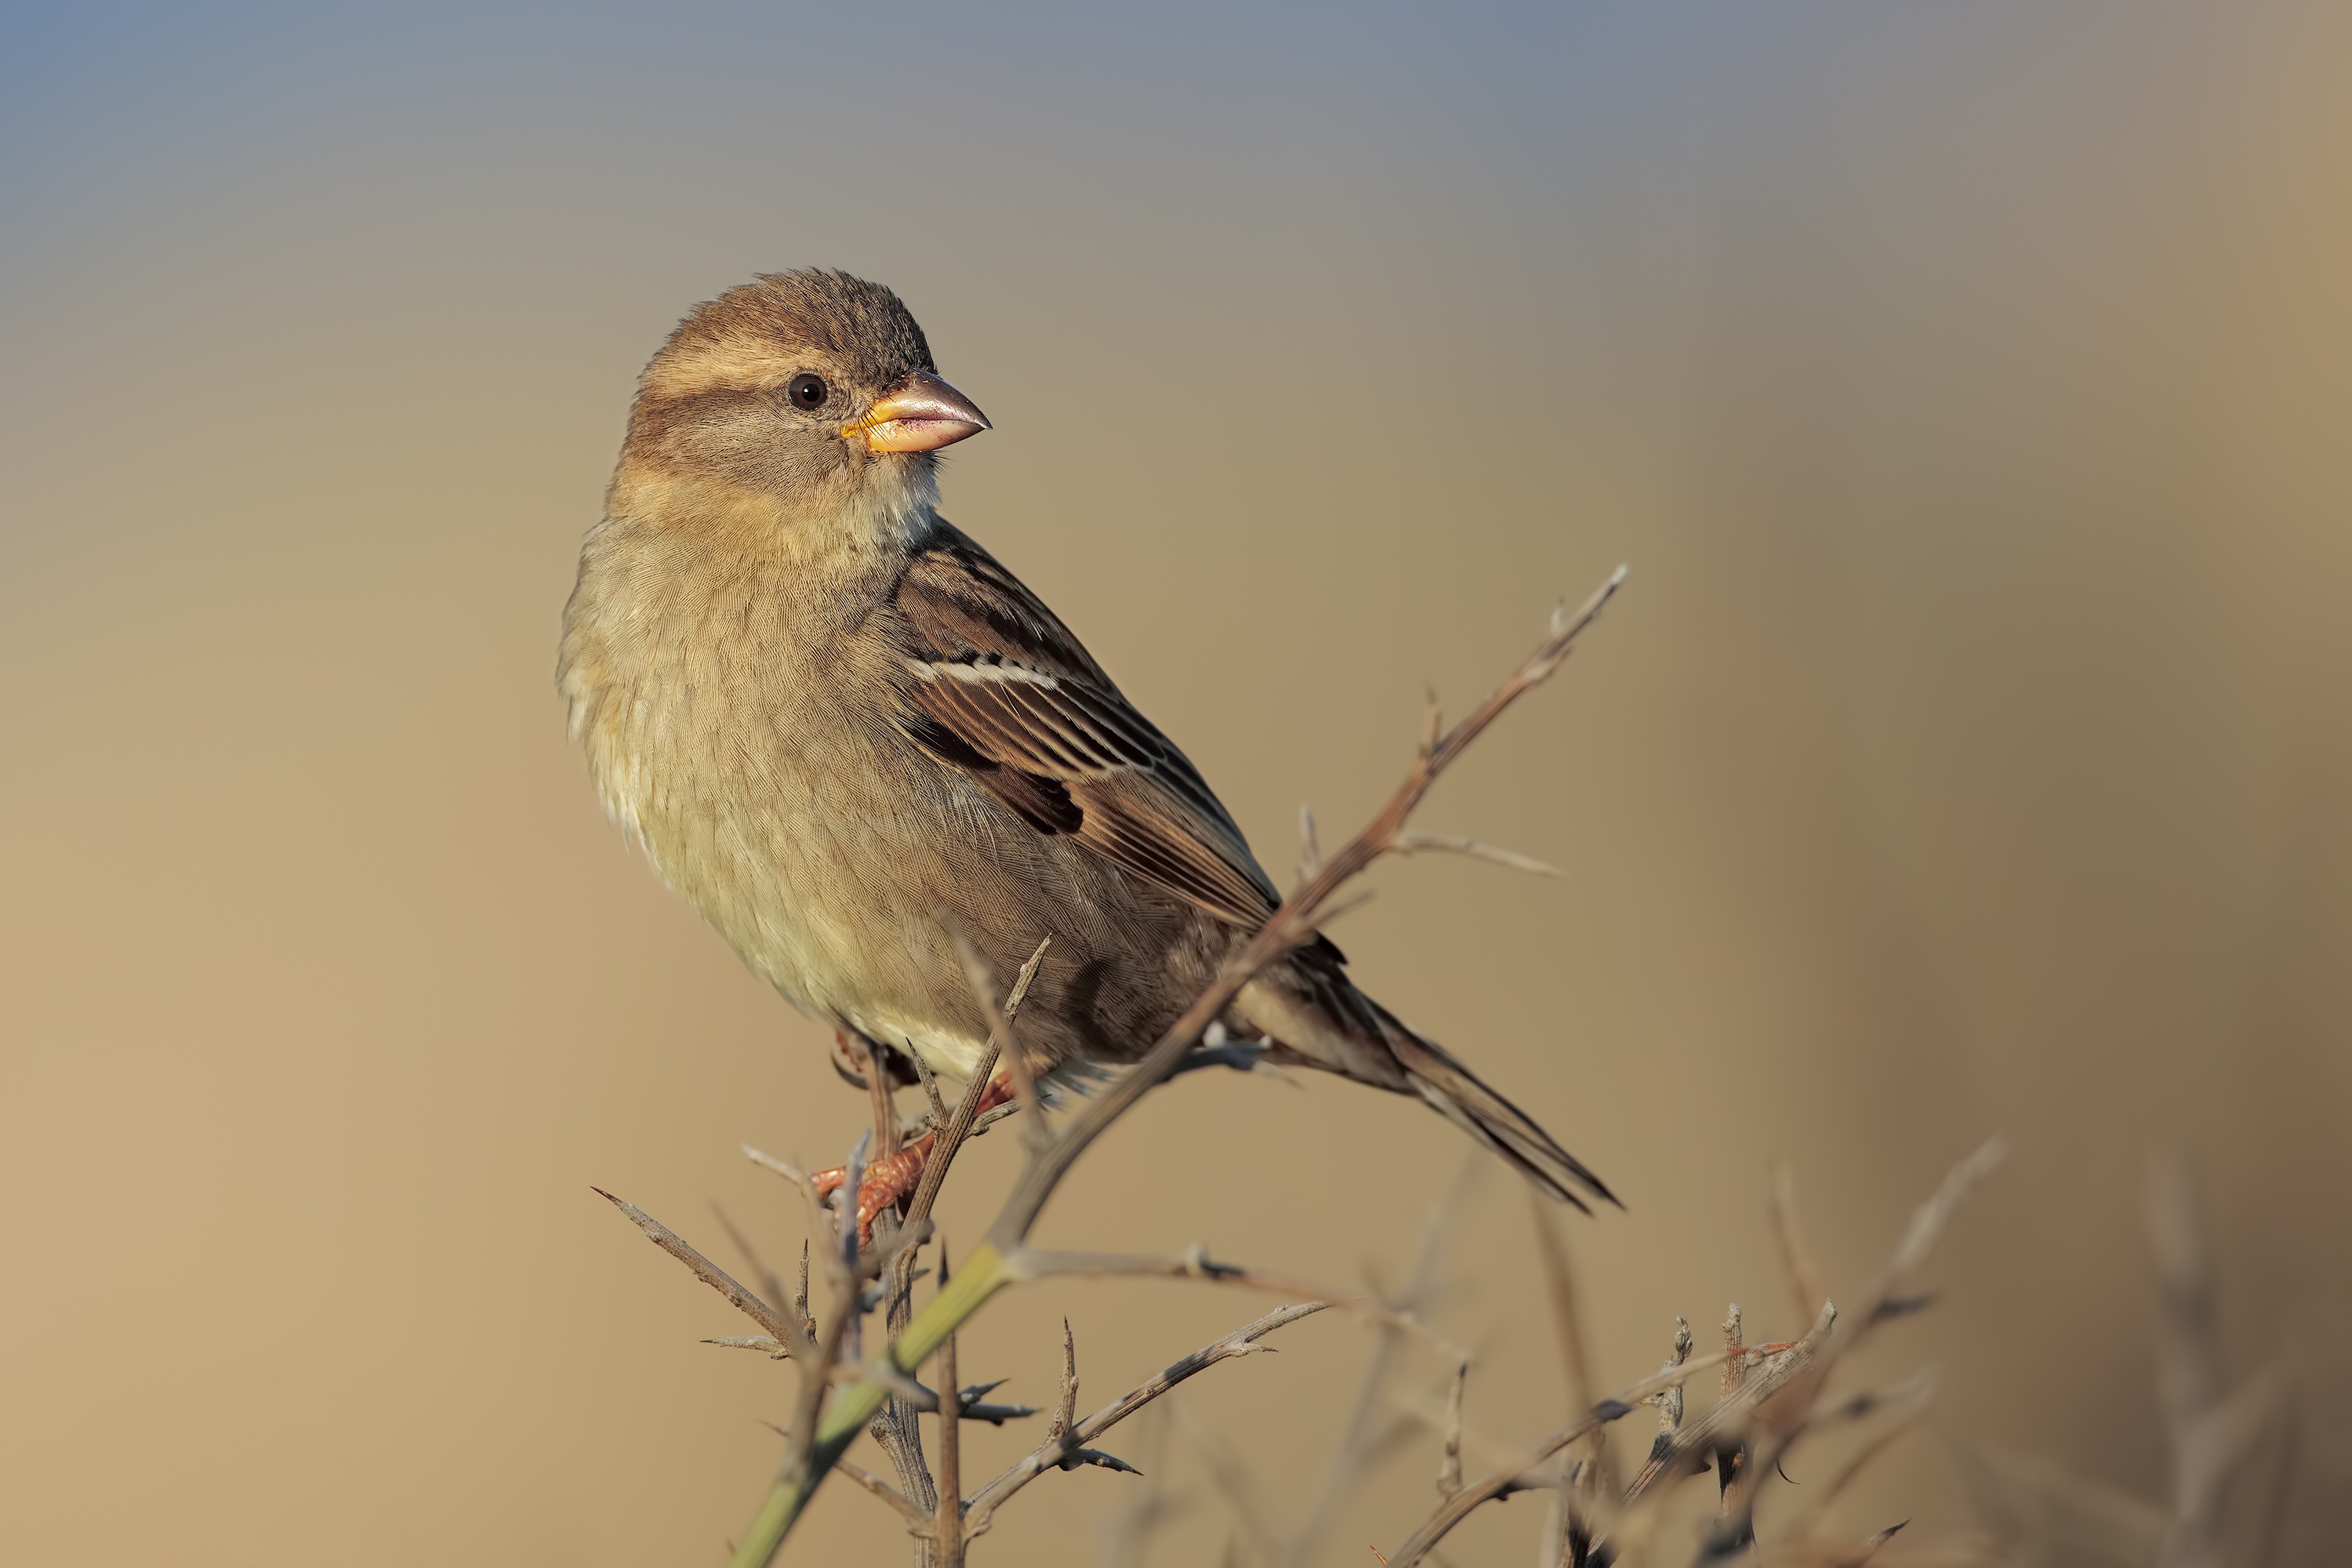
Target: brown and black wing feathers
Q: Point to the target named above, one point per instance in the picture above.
(1002, 692)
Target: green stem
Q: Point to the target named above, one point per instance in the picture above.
(984, 1274)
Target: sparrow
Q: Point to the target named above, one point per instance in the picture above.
(851, 737)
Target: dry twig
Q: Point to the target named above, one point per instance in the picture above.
(1066, 1446)
(781, 1327)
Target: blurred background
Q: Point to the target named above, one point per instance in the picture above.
(1970, 388)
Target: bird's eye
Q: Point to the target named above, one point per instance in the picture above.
(807, 390)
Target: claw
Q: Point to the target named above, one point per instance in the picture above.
(886, 1181)
(893, 1178)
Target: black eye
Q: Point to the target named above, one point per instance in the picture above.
(807, 390)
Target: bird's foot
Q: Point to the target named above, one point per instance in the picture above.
(889, 1181)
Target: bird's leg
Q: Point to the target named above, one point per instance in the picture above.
(894, 1176)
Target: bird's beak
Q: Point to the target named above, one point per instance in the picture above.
(922, 414)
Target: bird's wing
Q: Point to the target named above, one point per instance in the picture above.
(1002, 692)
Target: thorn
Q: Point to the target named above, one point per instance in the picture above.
(1870, 1547)
(1079, 1456)
(1065, 1417)
(1021, 981)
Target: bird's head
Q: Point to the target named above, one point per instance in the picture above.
(814, 392)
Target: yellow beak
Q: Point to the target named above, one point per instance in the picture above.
(921, 414)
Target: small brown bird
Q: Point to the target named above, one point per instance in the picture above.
(847, 734)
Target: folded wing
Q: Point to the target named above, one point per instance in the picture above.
(1002, 692)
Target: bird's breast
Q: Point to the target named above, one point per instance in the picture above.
(743, 738)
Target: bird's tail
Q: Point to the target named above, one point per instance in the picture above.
(1313, 1015)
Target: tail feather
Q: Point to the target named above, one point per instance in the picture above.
(1310, 1008)
(1470, 1103)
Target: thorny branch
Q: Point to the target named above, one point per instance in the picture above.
(1031, 1263)
(789, 1336)
(1068, 1447)
(1785, 1378)
(1757, 1382)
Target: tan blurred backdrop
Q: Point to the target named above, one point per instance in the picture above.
(1970, 388)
